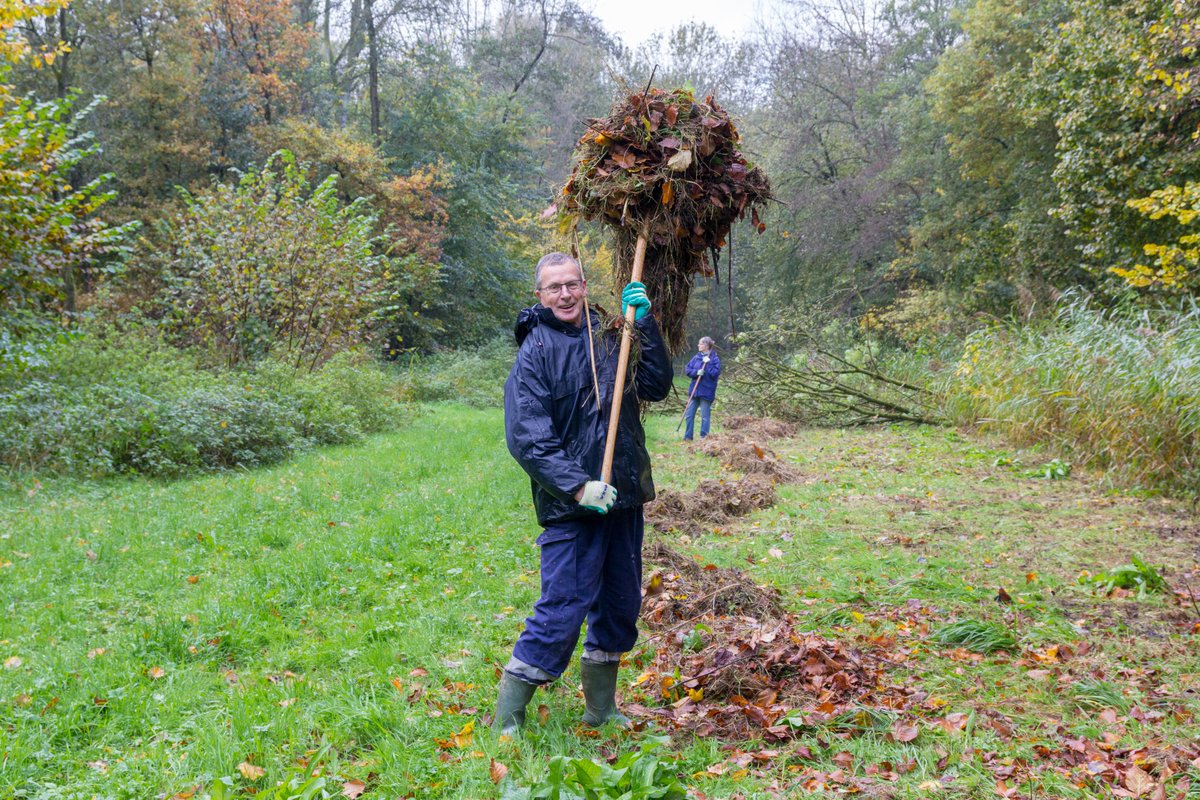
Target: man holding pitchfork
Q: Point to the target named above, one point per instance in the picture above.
(557, 401)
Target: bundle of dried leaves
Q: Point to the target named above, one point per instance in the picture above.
(741, 454)
(663, 161)
(712, 504)
(728, 661)
(680, 589)
(763, 427)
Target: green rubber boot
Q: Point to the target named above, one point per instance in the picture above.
(513, 696)
(600, 694)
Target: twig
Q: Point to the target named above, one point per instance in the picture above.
(1191, 596)
(696, 618)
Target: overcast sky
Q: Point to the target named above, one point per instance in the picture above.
(636, 20)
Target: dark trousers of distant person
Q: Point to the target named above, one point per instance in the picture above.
(705, 406)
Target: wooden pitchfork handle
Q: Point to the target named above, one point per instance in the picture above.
(610, 445)
(688, 404)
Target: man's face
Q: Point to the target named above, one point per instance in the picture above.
(563, 291)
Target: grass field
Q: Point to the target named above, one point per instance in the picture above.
(158, 637)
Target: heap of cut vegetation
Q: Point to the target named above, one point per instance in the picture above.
(728, 661)
(748, 457)
(713, 503)
(765, 427)
(681, 588)
(666, 163)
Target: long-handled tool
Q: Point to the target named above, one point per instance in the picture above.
(688, 404)
(610, 445)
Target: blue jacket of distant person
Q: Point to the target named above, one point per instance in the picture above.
(707, 390)
(552, 425)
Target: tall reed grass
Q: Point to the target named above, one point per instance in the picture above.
(1117, 391)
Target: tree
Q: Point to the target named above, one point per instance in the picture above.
(269, 47)
(1119, 78)
(48, 231)
(271, 266)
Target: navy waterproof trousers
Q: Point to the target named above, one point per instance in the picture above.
(591, 570)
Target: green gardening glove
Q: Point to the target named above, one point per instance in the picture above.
(635, 295)
(597, 496)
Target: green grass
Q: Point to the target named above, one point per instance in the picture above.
(252, 618)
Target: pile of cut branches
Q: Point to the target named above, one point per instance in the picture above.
(818, 386)
(670, 165)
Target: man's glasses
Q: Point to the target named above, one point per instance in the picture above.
(555, 289)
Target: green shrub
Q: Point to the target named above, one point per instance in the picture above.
(106, 403)
(475, 377)
(298, 283)
(1137, 576)
(637, 775)
(1115, 391)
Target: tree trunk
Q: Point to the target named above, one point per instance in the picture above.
(372, 68)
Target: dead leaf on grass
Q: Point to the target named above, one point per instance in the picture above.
(251, 772)
(1138, 781)
(903, 732)
(353, 789)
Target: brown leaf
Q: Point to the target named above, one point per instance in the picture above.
(680, 161)
(99, 651)
(353, 789)
(251, 772)
(419, 672)
(156, 673)
(1004, 597)
(1138, 781)
(543, 714)
(904, 732)
(497, 770)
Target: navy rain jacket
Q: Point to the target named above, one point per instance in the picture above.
(552, 425)
(708, 381)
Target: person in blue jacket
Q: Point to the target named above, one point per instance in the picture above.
(591, 543)
(703, 369)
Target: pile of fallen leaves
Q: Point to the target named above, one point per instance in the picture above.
(681, 589)
(740, 454)
(759, 427)
(664, 162)
(712, 504)
(728, 661)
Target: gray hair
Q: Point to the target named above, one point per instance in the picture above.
(553, 260)
(708, 340)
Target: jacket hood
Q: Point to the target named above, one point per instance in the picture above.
(538, 314)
